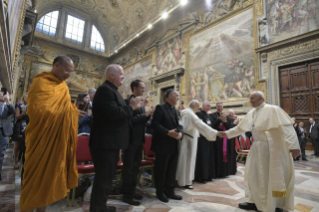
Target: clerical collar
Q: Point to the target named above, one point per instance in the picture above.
(169, 105)
(260, 106)
(111, 84)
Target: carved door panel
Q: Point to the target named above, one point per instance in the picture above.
(299, 91)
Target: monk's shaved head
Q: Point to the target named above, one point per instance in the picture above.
(115, 74)
(63, 67)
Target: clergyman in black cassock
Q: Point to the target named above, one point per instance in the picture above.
(205, 160)
(166, 136)
(232, 155)
(221, 145)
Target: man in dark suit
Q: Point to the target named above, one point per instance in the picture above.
(165, 142)
(133, 154)
(314, 136)
(221, 122)
(111, 131)
(6, 111)
(302, 137)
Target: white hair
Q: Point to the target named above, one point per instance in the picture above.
(230, 110)
(206, 102)
(259, 93)
(92, 90)
(112, 69)
(193, 102)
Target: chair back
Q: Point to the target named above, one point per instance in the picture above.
(147, 146)
(252, 139)
(248, 143)
(237, 144)
(83, 153)
(242, 142)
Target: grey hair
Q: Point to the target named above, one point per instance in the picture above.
(231, 110)
(92, 90)
(206, 102)
(193, 102)
(259, 93)
(112, 69)
(217, 103)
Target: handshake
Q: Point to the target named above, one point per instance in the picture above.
(221, 134)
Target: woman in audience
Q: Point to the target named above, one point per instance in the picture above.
(85, 120)
(19, 127)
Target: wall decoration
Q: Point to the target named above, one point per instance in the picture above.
(291, 18)
(221, 60)
(141, 71)
(169, 55)
(37, 68)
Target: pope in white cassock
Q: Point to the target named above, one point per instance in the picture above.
(192, 126)
(269, 171)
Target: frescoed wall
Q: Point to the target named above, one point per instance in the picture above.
(289, 18)
(141, 71)
(221, 60)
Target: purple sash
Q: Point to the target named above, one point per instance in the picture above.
(222, 127)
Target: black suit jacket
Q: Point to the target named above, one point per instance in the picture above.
(111, 127)
(214, 117)
(138, 121)
(204, 117)
(314, 132)
(163, 121)
(299, 133)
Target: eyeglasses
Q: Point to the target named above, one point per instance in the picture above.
(67, 70)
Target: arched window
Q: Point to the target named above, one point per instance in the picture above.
(48, 23)
(74, 29)
(97, 42)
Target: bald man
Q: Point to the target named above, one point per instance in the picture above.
(111, 131)
(269, 172)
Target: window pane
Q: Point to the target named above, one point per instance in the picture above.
(75, 29)
(97, 42)
(48, 23)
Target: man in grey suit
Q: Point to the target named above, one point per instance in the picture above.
(6, 112)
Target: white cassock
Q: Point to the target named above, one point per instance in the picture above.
(269, 173)
(192, 126)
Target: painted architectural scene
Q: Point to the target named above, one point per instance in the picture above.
(289, 18)
(37, 68)
(169, 56)
(221, 60)
(141, 71)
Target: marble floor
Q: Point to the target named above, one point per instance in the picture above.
(219, 195)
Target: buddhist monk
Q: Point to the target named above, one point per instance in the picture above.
(51, 139)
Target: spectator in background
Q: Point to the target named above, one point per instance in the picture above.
(314, 136)
(6, 112)
(91, 94)
(302, 137)
(83, 104)
(149, 129)
(19, 127)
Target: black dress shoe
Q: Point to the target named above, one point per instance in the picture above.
(131, 201)
(189, 187)
(0, 177)
(305, 159)
(201, 181)
(247, 206)
(279, 210)
(161, 197)
(137, 196)
(173, 196)
(111, 209)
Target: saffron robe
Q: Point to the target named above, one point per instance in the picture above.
(269, 171)
(192, 126)
(50, 168)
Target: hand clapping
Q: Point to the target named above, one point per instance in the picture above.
(221, 134)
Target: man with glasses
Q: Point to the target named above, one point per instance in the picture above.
(51, 138)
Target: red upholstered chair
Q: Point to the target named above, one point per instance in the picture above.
(241, 154)
(248, 143)
(252, 139)
(242, 143)
(148, 157)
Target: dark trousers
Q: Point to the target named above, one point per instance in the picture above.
(105, 162)
(165, 171)
(315, 144)
(131, 166)
(303, 144)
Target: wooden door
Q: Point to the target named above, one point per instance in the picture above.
(299, 91)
